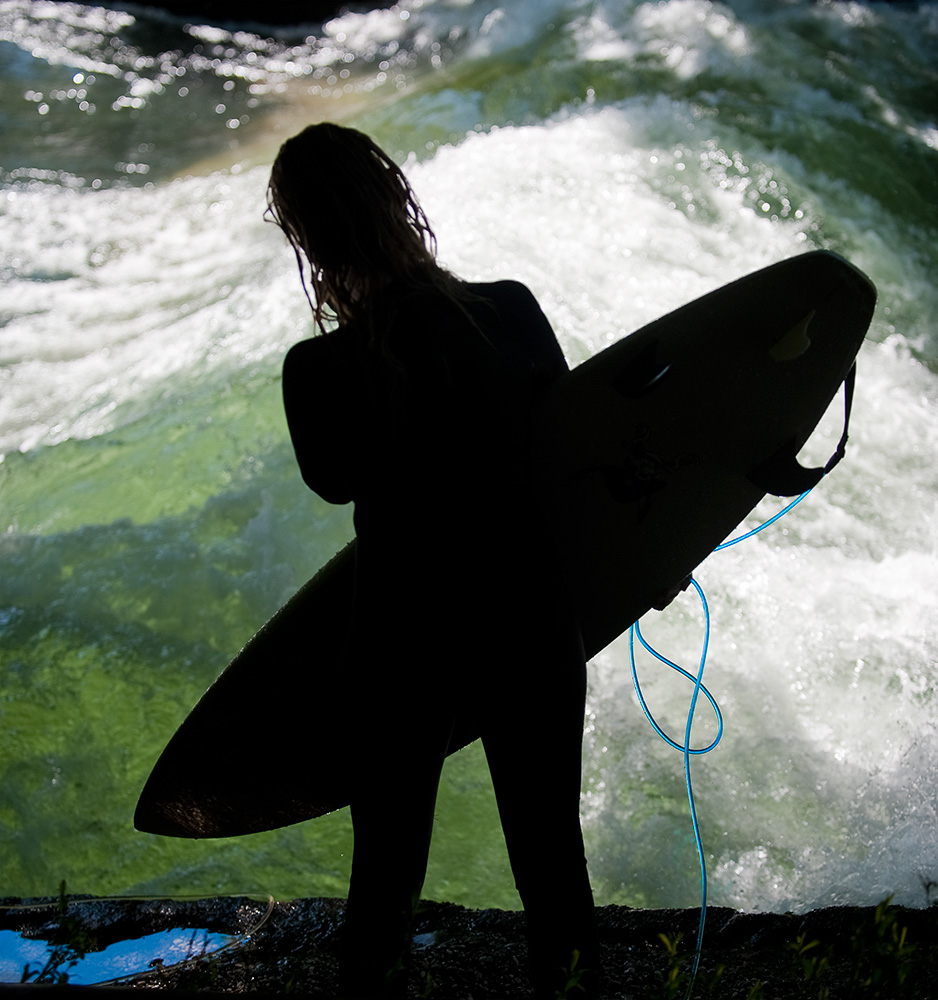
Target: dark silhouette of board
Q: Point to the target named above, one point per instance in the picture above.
(647, 456)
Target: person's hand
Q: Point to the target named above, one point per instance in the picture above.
(663, 600)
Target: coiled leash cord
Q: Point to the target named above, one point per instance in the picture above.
(685, 748)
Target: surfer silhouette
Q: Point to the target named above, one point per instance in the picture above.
(416, 408)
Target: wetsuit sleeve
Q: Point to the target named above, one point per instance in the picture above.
(315, 406)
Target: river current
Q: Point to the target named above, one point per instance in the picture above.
(621, 158)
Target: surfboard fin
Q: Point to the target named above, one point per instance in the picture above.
(782, 475)
(642, 373)
(795, 341)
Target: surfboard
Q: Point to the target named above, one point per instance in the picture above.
(647, 456)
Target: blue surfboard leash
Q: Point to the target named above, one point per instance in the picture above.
(685, 748)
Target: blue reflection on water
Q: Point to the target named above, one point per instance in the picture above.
(116, 961)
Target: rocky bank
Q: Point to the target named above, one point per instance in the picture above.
(887, 952)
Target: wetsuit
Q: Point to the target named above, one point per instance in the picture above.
(459, 611)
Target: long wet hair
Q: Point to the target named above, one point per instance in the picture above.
(350, 213)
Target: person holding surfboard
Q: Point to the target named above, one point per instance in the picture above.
(416, 407)
(444, 411)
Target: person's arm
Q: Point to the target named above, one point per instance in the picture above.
(312, 400)
(536, 335)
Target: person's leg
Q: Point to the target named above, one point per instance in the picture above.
(533, 742)
(392, 819)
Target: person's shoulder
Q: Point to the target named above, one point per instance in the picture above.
(512, 300)
(506, 288)
(313, 350)
(301, 351)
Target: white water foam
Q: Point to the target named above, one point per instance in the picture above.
(119, 292)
